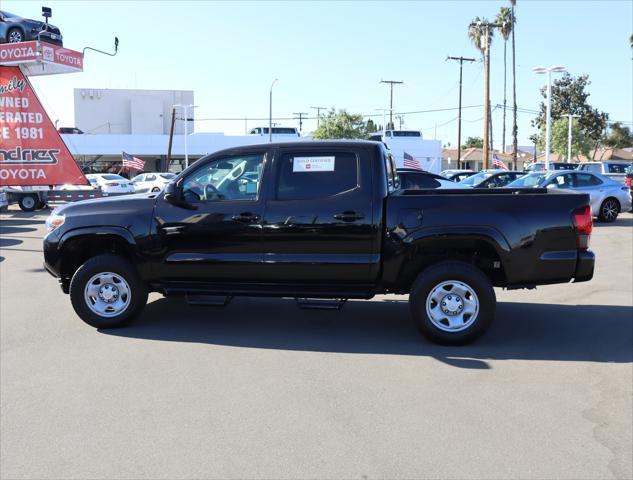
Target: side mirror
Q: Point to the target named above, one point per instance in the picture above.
(491, 185)
(173, 195)
(551, 186)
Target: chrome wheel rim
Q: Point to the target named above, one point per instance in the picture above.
(15, 37)
(107, 294)
(610, 210)
(452, 306)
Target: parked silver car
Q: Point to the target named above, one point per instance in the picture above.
(608, 197)
(616, 170)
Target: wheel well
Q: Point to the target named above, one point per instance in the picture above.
(479, 254)
(76, 251)
(16, 28)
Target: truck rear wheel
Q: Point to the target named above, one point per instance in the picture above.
(452, 303)
(28, 203)
(106, 291)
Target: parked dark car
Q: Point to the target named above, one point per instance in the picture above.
(321, 222)
(418, 179)
(70, 130)
(15, 29)
(491, 179)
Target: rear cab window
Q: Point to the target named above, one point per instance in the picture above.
(309, 175)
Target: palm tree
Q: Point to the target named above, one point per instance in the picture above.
(504, 20)
(515, 129)
(477, 34)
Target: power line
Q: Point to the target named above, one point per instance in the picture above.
(300, 116)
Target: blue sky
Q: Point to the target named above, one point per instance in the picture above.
(335, 54)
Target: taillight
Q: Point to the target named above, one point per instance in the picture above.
(583, 225)
(628, 182)
(112, 184)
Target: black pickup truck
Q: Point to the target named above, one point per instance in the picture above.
(321, 222)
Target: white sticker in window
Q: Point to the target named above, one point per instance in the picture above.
(313, 164)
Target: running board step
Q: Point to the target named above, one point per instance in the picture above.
(208, 300)
(320, 303)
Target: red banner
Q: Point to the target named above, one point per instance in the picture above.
(14, 53)
(31, 150)
(61, 56)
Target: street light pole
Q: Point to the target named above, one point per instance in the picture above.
(270, 112)
(548, 112)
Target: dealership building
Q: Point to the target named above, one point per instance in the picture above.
(138, 122)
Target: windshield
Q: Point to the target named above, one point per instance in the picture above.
(532, 180)
(112, 177)
(476, 179)
(8, 15)
(168, 176)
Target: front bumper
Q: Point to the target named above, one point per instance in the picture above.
(585, 266)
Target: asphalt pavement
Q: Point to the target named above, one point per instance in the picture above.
(261, 389)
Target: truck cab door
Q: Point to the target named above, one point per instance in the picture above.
(218, 238)
(318, 224)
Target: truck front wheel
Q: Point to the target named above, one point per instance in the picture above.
(452, 302)
(106, 291)
(28, 203)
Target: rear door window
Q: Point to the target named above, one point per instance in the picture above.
(617, 168)
(308, 175)
(587, 180)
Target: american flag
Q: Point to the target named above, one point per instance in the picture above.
(410, 162)
(497, 162)
(132, 162)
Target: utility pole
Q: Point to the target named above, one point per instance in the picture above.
(400, 119)
(171, 136)
(300, 118)
(571, 121)
(270, 111)
(391, 84)
(318, 109)
(461, 61)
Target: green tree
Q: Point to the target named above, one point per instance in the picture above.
(341, 124)
(371, 126)
(474, 142)
(569, 95)
(619, 136)
(477, 34)
(580, 144)
(504, 19)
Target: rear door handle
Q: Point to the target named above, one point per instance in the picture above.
(349, 216)
(246, 217)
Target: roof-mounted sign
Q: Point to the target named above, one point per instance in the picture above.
(41, 58)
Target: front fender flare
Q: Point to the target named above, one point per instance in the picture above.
(112, 230)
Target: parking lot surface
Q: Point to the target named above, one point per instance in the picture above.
(261, 389)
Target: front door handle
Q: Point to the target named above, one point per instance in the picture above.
(172, 230)
(349, 216)
(246, 217)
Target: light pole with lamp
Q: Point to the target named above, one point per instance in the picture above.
(548, 114)
(571, 117)
(185, 109)
(270, 111)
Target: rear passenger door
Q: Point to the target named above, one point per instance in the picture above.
(318, 225)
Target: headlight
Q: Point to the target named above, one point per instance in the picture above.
(54, 221)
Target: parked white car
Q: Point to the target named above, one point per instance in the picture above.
(152, 182)
(4, 202)
(607, 197)
(110, 183)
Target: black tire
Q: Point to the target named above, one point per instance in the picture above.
(119, 266)
(28, 203)
(449, 271)
(155, 189)
(15, 35)
(609, 210)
